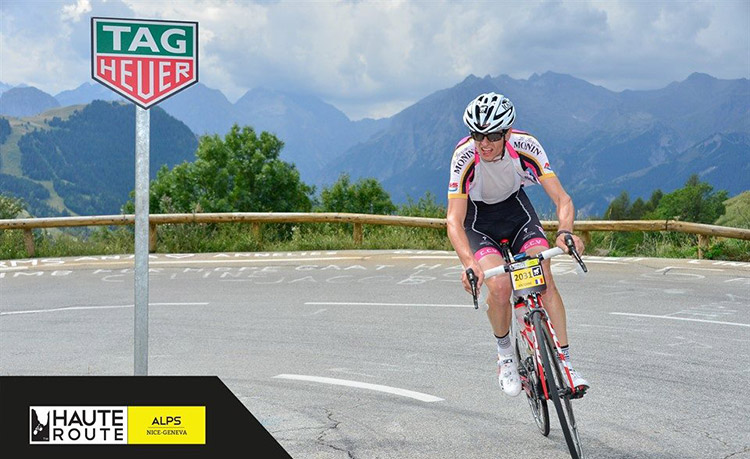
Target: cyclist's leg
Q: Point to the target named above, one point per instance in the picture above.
(485, 225)
(554, 305)
(499, 315)
(498, 300)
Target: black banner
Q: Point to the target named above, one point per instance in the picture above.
(184, 416)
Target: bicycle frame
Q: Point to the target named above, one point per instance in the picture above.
(532, 301)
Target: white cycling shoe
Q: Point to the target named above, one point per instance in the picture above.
(507, 375)
(579, 381)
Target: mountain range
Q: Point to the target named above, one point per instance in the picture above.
(599, 142)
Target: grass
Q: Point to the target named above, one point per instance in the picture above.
(737, 212)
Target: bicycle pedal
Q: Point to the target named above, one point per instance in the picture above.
(579, 393)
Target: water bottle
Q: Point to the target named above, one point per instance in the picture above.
(519, 312)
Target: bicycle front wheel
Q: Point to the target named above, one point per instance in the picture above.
(532, 386)
(558, 391)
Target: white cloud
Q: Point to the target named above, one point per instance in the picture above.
(74, 12)
(371, 57)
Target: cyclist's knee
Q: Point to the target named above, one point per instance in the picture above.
(499, 290)
(548, 277)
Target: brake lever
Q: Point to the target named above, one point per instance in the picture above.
(473, 282)
(574, 253)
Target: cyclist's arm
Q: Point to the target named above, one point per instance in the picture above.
(565, 211)
(455, 222)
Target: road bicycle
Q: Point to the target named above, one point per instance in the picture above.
(544, 371)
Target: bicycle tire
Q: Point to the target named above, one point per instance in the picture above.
(533, 389)
(556, 388)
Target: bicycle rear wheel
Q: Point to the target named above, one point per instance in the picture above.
(532, 386)
(558, 391)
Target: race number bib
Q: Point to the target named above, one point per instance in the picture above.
(527, 276)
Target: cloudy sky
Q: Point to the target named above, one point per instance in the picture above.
(374, 58)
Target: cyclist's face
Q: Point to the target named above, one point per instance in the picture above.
(488, 150)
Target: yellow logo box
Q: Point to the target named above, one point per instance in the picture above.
(167, 425)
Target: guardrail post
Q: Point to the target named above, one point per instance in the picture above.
(256, 231)
(702, 244)
(152, 238)
(357, 234)
(586, 236)
(28, 240)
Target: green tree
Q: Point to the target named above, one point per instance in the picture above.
(695, 202)
(10, 207)
(427, 206)
(618, 208)
(5, 129)
(622, 209)
(240, 173)
(637, 210)
(654, 200)
(366, 196)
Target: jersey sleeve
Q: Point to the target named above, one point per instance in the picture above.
(462, 169)
(533, 158)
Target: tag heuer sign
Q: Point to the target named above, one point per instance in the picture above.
(145, 61)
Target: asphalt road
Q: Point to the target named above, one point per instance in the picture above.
(380, 354)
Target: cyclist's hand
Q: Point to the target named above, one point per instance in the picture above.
(477, 272)
(560, 242)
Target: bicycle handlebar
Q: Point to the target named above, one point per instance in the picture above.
(547, 254)
(544, 255)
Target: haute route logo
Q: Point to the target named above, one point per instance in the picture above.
(112, 425)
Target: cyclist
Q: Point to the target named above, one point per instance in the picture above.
(487, 203)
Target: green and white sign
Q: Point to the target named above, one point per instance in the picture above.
(143, 60)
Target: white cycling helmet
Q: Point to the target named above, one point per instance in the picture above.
(489, 112)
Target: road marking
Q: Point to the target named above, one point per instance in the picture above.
(589, 261)
(82, 308)
(254, 260)
(419, 257)
(739, 279)
(181, 261)
(352, 303)
(680, 318)
(362, 385)
(669, 268)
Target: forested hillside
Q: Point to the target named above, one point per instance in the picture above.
(89, 158)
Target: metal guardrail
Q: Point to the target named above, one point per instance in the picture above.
(583, 227)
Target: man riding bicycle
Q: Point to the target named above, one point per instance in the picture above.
(487, 203)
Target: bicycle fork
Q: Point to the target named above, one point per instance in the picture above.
(525, 345)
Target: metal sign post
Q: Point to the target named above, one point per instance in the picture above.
(140, 332)
(144, 61)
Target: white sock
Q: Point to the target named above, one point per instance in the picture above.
(504, 346)
(566, 352)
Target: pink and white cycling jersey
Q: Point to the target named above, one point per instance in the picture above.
(525, 163)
